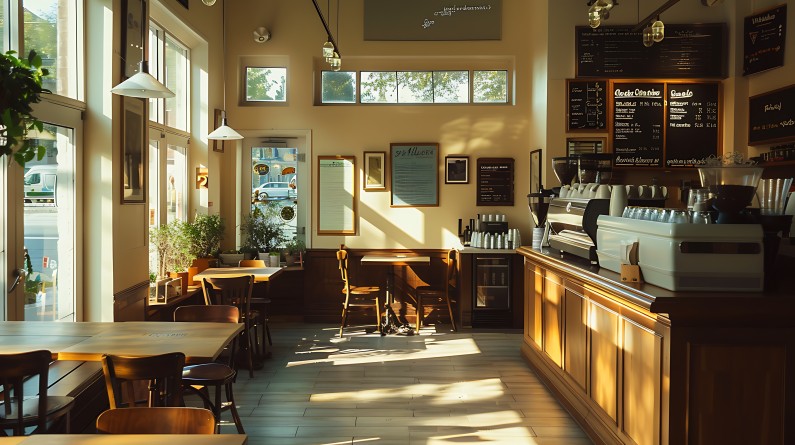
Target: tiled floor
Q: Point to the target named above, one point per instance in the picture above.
(438, 387)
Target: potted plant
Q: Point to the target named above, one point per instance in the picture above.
(20, 87)
(263, 230)
(294, 251)
(204, 235)
(173, 250)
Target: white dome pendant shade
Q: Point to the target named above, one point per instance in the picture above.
(224, 132)
(142, 84)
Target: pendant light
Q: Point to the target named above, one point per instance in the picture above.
(224, 132)
(142, 84)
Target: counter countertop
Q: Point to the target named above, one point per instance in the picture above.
(774, 305)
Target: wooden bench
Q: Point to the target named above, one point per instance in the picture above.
(83, 381)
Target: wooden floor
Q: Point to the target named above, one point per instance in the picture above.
(438, 387)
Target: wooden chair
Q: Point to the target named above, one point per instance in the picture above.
(438, 296)
(163, 373)
(234, 291)
(157, 420)
(198, 378)
(356, 296)
(19, 410)
(259, 294)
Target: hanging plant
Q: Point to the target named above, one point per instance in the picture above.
(20, 87)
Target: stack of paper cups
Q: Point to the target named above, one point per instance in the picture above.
(538, 234)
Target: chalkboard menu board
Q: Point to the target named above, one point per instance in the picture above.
(771, 117)
(764, 36)
(587, 102)
(692, 132)
(432, 20)
(688, 51)
(495, 182)
(638, 115)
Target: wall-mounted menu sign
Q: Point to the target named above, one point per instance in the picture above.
(638, 116)
(495, 182)
(771, 117)
(433, 20)
(587, 105)
(414, 174)
(764, 36)
(688, 51)
(336, 190)
(692, 131)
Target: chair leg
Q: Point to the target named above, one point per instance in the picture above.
(419, 312)
(344, 318)
(230, 397)
(450, 310)
(377, 313)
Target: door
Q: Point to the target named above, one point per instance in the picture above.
(40, 235)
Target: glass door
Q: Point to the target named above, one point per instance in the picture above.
(492, 282)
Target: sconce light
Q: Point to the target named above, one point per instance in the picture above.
(658, 30)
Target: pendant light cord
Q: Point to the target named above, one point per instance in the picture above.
(223, 70)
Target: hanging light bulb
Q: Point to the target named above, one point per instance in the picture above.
(335, 61)
(648, 40)
(208, 2)
(595, 16)
(328, 49)
(594, 23)
(658, 30)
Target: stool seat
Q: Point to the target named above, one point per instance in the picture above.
(207, 374)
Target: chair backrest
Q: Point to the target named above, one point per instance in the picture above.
(452, 270)
(202, 313)
(14, 370)
(342, 258)
(251, 263)
(124, 375)
(229, 291)
(158, 420)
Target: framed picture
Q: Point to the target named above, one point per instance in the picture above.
(217, 119)
(337, 195)
(374, 170)
(414, 174)
(535, 171)
(456, 169)
(133, 150)
(132, 34)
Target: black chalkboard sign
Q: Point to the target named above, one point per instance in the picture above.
(432, 20)
(692, 130)
(764, 36)
(688, 51)
(495, 182)
(638, 115)
(771, 117)
(587, 105)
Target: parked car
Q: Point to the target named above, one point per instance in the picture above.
(275, 190)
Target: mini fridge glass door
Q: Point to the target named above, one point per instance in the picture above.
(492, 283)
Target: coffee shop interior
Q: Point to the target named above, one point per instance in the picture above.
(424, 221)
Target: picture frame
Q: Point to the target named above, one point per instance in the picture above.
(132, 35)
(374, 171)
(536, 170)
(218, 146)
(414, 174)
(337, 192)
(133, 151)
(456, 169)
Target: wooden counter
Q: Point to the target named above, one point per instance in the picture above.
(640, 364)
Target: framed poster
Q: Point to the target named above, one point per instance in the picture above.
(337, 195)
(133, 150)
(374, 171)
(535, 171)
(456, 169)
(495, 182)
(587, 105)
(414, 172)
(764, 36)
(132, 35)
(217, 120)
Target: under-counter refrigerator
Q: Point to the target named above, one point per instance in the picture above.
(491, 291)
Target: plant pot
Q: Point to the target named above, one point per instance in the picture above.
(231, 259)
(192, 271)
(203, 263)
(289, 259)
(184, 277)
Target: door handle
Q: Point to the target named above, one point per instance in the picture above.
(18, 274)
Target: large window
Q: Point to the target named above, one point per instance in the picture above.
(169, 61)
(266, 84)
(50, 28)
(415, 87)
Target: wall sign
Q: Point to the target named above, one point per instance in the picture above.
(638, 115)
(692, 131)
(495, 182)
(414, 171)
(771, 117)
(433, 20)
(688, 51)
(337, 194)
(587, 105)
(764, 35)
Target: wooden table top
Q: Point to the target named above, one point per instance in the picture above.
(200, 342)
(395, 260)
(260, 273)
(122, 439)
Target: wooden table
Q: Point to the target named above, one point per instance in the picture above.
(87, 341)
(391, 261)
(123, 439)
(260, 273)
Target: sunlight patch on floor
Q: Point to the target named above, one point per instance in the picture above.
(446, 394)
